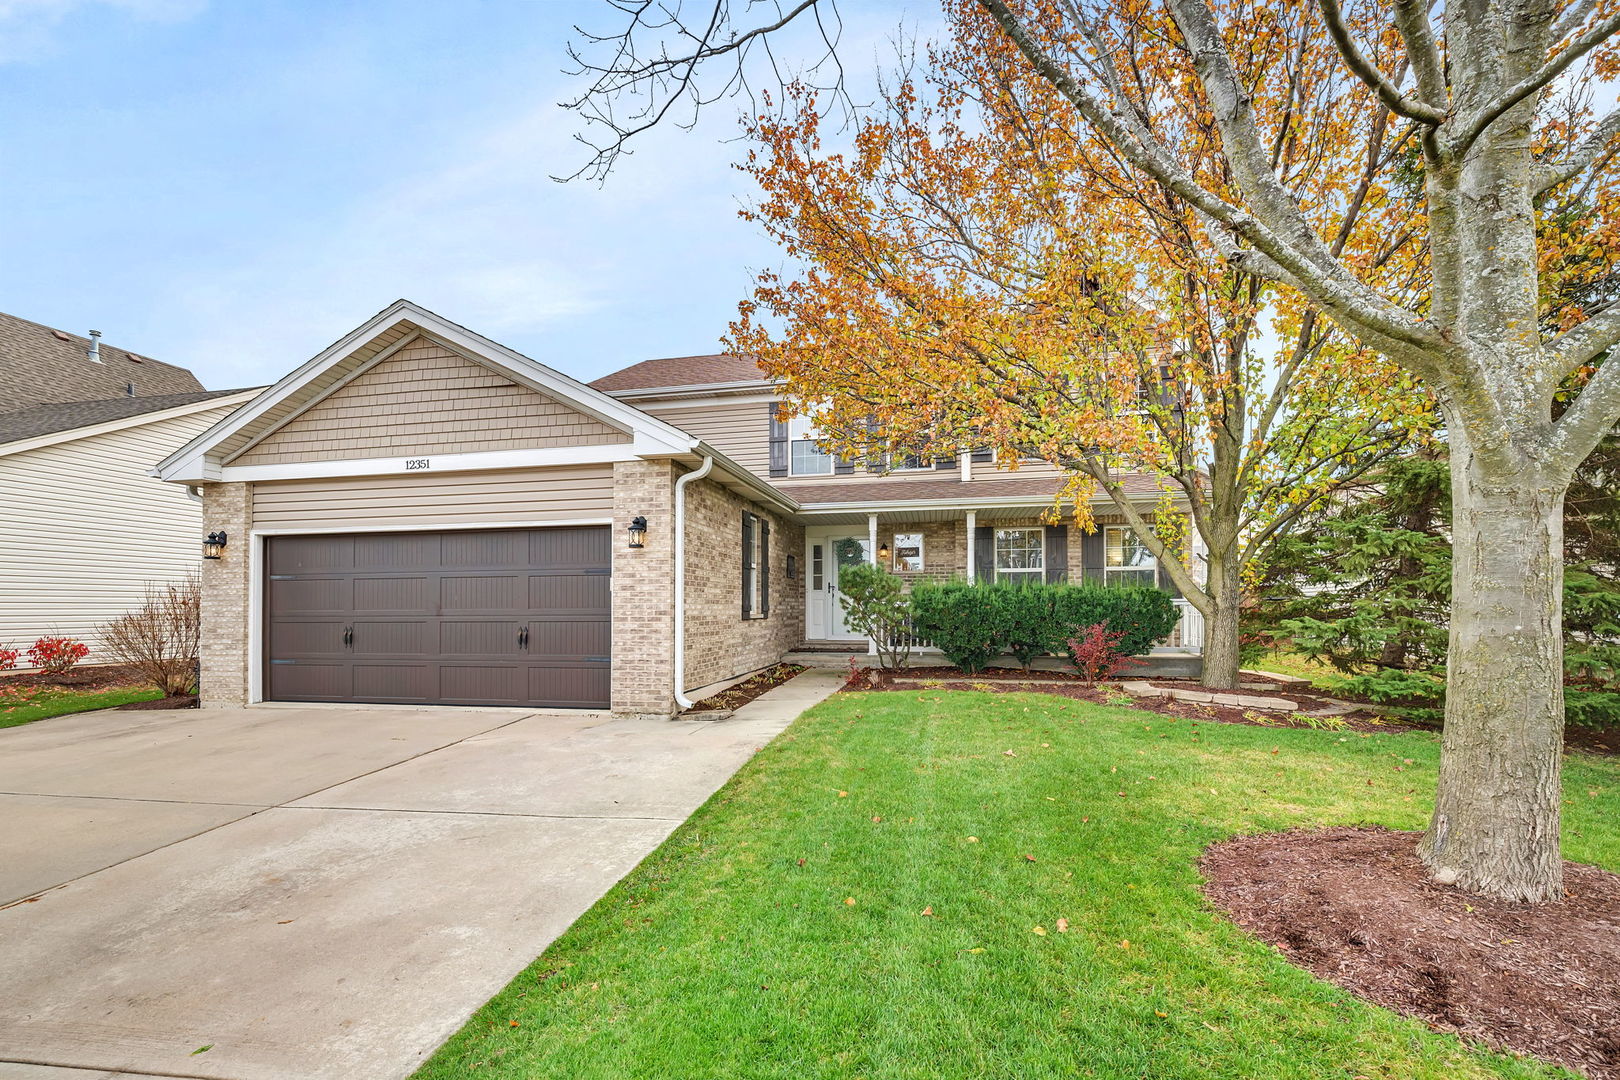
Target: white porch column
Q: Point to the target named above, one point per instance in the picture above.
(972, 533)
(872, 545)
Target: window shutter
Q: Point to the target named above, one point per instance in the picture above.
(1057, 554)
(778, 441)
(764, 566)
(747, 569)
(1091, 556)
(984, 553)
(843, 466)
(941, 464)
(983, 456)
(875, 462)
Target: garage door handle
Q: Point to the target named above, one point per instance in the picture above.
(348, 637)
(523, 637)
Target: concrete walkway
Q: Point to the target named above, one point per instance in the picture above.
(315, 893)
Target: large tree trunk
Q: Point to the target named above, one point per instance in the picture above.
(1221, 663)
(1496, 816)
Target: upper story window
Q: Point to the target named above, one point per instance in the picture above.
(1126, 560)
(909, 462)
(805, 458)
(1020, 555)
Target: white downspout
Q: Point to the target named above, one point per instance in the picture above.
(681, 700)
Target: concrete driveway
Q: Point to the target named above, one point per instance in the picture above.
(310, 892)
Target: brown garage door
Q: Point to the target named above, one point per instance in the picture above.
(496, 617)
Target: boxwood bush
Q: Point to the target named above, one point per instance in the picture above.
(972, 624)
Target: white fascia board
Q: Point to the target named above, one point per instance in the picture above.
(427, 464)
(690, 389)
(938, 504)
(766, 492)
(70, 434)
(675, 402)
(188, 465)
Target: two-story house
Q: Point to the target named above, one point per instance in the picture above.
(419, 514)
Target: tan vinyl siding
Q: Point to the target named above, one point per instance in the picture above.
(505, 496)
(738, 429)
(83, 529)
(426, 399)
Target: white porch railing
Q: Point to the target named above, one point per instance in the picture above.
(1189, 632)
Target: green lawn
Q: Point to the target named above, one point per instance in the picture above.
(60, 702)
(780, 934)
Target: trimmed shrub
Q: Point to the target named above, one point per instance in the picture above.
(973, 624)
(959, 620)
(57, 655)
(876, 605)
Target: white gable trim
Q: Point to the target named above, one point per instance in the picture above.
(70, 434)
(191, 462)
(426, 464)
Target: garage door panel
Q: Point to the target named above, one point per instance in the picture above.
(570, 638)
(483, 683)
(404, 638)
(486, 551)
(570, 687)
(383, 552)
(311, 554)
(436, 617)
(570, 593)
(311, 638)
(473, 637)
(311, 595)
(570, 547)
(493, 592)
(396, 682)
(415, 595)
(309, 681)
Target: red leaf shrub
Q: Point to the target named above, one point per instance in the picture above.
(8, 658)
(54, 655)
(1095, 653)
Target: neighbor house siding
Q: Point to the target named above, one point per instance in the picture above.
(507, 496)
(83, 529)
(426, 399)
(721, 643)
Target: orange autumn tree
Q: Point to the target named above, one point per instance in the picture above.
(978, 272)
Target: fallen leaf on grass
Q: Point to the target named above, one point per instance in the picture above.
(1039, 930)
(1062, 926)
(1008, 753)
(843, 794)
(973, 839)
(1125, 944)
(850, 900)
(929, 910)
(1031, 858)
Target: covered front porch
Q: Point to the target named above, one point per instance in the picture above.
(988, 542)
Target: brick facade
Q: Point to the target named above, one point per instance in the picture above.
(644, 589)
(226, 581)
(720, 643)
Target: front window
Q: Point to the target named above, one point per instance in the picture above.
(1126, 560)
(756, 567)
(805, 458)
(1020, 555)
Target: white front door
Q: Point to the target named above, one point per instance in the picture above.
(824, 615)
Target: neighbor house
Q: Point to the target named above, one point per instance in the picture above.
(419, 514)
(84, 527)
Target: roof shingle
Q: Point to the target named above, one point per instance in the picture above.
(65, 416)
(43, 366)
(682, 371)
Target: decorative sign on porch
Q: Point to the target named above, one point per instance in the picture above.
(908, 551)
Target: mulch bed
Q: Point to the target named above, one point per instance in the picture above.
(82, 678)
(189, 701)
(734, 697)
(1356, 907)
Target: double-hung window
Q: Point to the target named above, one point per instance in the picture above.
(756, 566)
(1126, 560)
(805, 458)
(1020, 555)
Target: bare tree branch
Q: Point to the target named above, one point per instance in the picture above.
(1365, 70)
(1593, 148)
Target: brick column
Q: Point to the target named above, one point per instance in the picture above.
(225, 586)
(644, 589)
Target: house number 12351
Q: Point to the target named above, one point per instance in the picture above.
(414, 463)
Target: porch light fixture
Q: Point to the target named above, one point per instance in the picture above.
(883, 553)
(214, 544)
(638, 532)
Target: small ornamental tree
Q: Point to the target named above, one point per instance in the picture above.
(1095, 654)
(875, 604)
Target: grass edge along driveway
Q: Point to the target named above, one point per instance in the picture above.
(862, 900)
(62, 703)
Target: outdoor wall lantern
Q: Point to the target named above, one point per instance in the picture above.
(638, 532)
(883, 553)
(214, 544)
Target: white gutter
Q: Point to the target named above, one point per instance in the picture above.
(681, 699)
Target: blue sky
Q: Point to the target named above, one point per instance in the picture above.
(231, 185)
